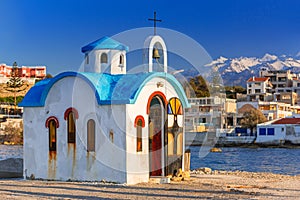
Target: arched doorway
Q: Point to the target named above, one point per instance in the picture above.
(157, 118)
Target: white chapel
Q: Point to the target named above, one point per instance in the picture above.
(104, 123)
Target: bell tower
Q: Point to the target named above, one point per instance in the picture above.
(156, 51)
(105, 56)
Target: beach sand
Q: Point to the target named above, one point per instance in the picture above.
(218, 185)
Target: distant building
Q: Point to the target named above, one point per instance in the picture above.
(259, 88)
(272, 110)
(278, 78)
(210, 111)
(279, 132)
(28, 73)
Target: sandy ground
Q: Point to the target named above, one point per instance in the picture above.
(222, 185)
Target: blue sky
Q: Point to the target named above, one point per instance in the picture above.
(52, 32)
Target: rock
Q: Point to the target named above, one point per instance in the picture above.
(216, 150)
(177, 179)
(186, 174)
(204, 170)
(11, 168)
(179, 173)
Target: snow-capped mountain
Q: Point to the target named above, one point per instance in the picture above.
(236, 71)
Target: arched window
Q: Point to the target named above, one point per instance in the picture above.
(121, 59)
(91, 135)
(52, 124)
(71, 127)
(103, 58)
(139, 129)
(139, 124)
(71, 115)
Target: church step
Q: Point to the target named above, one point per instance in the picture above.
(159, 179)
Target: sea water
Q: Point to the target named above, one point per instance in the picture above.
(275, 160)
(11, 151)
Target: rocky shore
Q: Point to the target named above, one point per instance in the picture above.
(203, 184)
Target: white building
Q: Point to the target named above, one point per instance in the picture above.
(113, 126)
(272, 110)
(259, 88)
(278, 132)
(210, 111)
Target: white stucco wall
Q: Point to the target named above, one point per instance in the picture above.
(73, 161)
(112, 66)
(138, 162)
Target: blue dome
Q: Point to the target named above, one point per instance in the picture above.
(104, 43)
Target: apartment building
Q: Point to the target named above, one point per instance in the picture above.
(208, 112)
(278, 78)
(272, 109)
(259, 88)
(29, 73)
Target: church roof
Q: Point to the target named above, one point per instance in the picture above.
(104, 43)
(109, 89)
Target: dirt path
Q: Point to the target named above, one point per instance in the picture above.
(218, 186)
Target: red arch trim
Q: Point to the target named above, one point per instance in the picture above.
(71, 109)
(157, 93)
(139, 117)
(51, 118)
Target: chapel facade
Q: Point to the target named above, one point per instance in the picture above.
(106, 124)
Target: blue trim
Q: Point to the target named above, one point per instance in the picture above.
(109, 89)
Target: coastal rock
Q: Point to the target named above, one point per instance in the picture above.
(216, 150)
(204, 170)
(11, 168)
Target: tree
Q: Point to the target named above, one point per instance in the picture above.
(13, 132)
(231, 91)
(48, 76)
(199, 86)
(251, 118)
(15, 84)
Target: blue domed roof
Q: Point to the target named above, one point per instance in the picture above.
(104, 43)
(109, 89)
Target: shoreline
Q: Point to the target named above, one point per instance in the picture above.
(284, 146)
(221, 185)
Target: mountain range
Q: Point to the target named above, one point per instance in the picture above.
(236, 71)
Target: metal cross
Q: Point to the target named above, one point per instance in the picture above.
(155, 20)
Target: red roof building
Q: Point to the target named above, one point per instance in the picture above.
(25, 72)
(258, 79)
(287, 121)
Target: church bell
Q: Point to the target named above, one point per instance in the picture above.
(155, 54)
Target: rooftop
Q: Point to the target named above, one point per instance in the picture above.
(287, 121)
(258, 79)
(104, 43)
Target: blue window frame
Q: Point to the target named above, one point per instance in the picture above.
(271, 131)
(262, 131)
